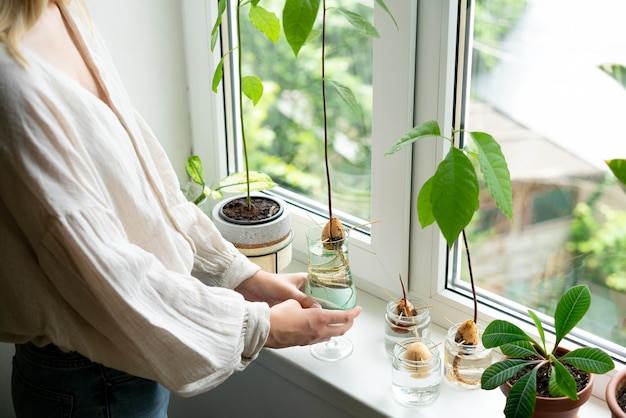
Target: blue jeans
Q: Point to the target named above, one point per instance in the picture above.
(47, 382)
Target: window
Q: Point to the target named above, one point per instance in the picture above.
(286, 136)
(546, 79)
(543, 78)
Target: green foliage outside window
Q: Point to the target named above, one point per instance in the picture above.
(285, 129)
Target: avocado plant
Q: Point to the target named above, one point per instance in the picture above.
(450, 198)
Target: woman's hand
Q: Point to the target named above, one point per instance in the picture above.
(276, 288)
(291, 324)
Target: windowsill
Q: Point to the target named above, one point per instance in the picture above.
(365, 375)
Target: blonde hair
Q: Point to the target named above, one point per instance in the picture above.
(16, 18)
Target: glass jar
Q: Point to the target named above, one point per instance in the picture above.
(329, 279)
(415, 382)
(399, 328)
(464, 364)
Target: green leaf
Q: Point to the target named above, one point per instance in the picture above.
(454, 194)
(571, 308)
(520, 402)
(347, 96)
(266, 22)
(500, 372)
(541, 331)
(423, 130)
(298, 19)
(518, 349)
(383, 6)
(360, 23)
(589, 359)
(237, 182)
(500, 332)
(495, 171)
(618, 167)
(424, 208)
(217, 76)
(252, 87)
(221, 8)
(561, 382)
(194, 169)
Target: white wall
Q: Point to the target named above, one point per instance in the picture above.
(146, 40)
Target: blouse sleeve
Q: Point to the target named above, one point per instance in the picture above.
(208, 241)
(92, 290)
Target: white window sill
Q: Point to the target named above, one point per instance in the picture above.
(365, 375)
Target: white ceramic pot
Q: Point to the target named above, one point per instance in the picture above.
(267, 243)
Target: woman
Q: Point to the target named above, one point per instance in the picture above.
(113, 287)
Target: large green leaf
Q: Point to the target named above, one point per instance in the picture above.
(266, 22)
(561, 382)
(495, 171)
(298, 19)
(500, 372)
(520, 402)
(618, 167)
(423, 130)
(500, 332)
(194, 169)
(454, 194)
(589, 359)
(360, 23)
(252, 87)
(571, 308)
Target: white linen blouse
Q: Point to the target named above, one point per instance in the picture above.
(100, 252)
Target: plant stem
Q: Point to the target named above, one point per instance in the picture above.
(469, 266)
(243, 131)
(330, 206)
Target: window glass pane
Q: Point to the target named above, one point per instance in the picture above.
(547, 82)
(285, 129)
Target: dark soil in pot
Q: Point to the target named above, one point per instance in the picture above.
(543, 378)
(261, 210)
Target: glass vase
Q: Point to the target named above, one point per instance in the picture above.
(464, 364)
(415, 382)
(399, 328)
(330, 283)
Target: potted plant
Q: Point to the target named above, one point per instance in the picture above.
(267, 243)
(538, 380)
(450, 198)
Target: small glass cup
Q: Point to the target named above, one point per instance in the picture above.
(464, 364)
(399, 328)
(415, 383)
